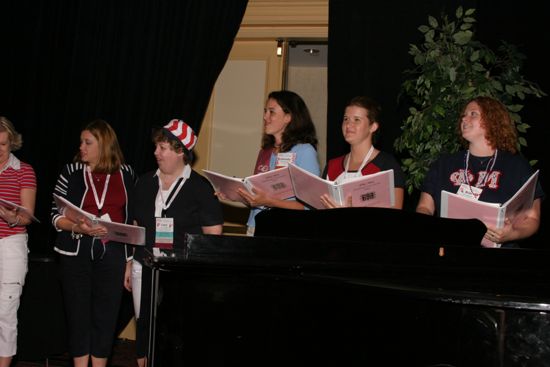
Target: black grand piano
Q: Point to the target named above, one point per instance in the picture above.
(350, 287)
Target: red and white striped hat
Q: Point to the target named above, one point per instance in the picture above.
(182, 132)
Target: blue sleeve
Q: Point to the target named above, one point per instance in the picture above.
(306, 158)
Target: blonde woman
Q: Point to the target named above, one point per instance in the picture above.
(17, 185)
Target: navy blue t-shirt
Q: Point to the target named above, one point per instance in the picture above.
(509, 173)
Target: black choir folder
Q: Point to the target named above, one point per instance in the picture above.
(21, 210)
(119, 232)
(375, 190)
(491, 214)
(275, 183)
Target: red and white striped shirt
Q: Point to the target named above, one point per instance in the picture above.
(15, 176)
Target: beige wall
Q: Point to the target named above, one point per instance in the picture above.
(311, 84)
(264, 22)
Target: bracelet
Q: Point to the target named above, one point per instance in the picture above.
(74, 235)
(11, 225)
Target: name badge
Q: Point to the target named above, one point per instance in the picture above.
(283, 159)
(107, 218)
(468, 191)
(164, 234)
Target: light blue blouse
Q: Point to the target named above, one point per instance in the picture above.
(306, 158)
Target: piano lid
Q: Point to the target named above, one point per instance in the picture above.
(383, 249)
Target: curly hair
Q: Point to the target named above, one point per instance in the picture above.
(500, 130)
(300, 130)
(15, 139)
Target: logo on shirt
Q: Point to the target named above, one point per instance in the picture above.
(489, 179)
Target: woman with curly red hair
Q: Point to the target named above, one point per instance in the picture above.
(489, 169)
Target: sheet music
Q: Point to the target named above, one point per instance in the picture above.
(375, 190)
(21, 210)
(275, 183)
(491, 214)
(119, 232)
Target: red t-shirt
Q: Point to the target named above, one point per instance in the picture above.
(11, 183)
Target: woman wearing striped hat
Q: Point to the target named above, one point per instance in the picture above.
(170, 201)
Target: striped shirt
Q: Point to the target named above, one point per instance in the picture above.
(16, 176)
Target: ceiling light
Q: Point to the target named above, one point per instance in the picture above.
(279, 47)
(312, 51)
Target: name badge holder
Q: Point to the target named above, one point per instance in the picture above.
(164, 227)
(284, 159)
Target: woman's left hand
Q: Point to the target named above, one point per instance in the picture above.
(94, 231)
(255, 199)
(331, 204)
(128, 276)
(499, 235)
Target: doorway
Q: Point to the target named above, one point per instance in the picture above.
(306, 74)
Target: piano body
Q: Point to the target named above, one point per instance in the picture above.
(307, 297)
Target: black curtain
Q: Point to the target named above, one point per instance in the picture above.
(137, 64)
(368, 53)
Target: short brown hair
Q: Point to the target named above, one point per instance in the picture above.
(373, 108)
(164, 136)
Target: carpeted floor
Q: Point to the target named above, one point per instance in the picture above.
(123, 356)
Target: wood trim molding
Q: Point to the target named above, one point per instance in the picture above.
(269, 19)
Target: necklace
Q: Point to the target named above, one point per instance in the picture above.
(490, 162)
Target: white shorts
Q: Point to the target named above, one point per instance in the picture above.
(13, 269)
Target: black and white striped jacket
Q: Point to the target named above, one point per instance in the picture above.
(72, 185)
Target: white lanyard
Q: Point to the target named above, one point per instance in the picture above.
(363, 164)
(173, 193)
(98, 202)
(491, 162)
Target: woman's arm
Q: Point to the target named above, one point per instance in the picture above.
(28, 200)
(259, 198)
(399, 195)
(215, 229)
(426, 204)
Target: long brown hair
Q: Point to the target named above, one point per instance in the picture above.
(300, 130)
(110, 154)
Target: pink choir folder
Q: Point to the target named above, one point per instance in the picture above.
(275, 183)
(491, 214)
(376, 190)
(21, 210)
